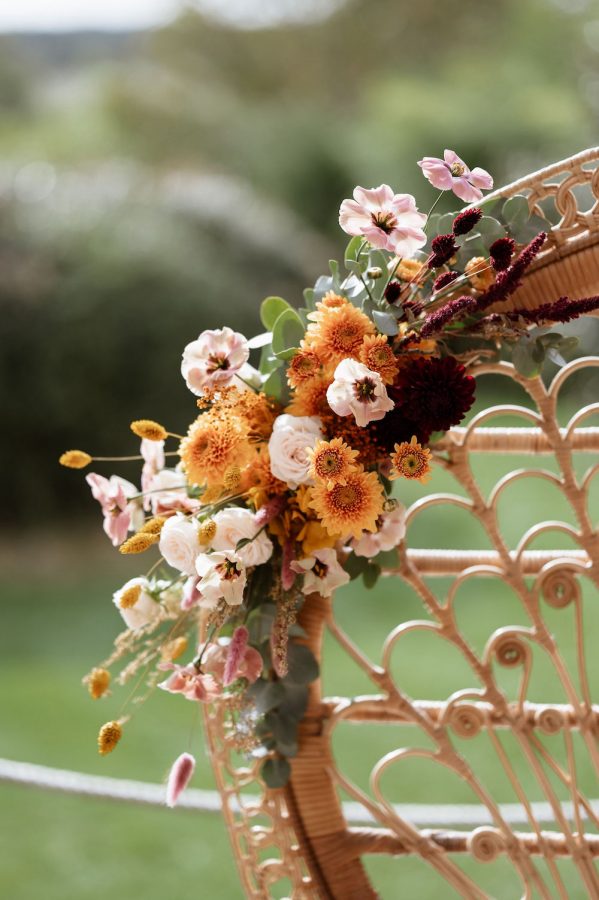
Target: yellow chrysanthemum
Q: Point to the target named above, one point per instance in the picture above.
(410, 270)
(350, 508)
(336, 333)
(480, 273)
(378, 356)
(331, 461)
(212, 446)
(411, 460)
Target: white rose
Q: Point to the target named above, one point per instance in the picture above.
(143, 610)
(179, 543)
(222, 577)
(234, 524)
(290, 438)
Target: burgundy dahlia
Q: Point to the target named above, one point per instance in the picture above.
(433, 393)
(465, 221)
(501, 252)
(443, 248)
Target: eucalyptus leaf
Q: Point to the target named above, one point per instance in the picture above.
(271, 309)
(370, 575)
(387, 558)
(353, 249)
(490, 230)
(295, 701)
(267, 695)
(287, 331)
(275, 772)
(276, 386)
(303, 667)
(355, 565)
(323, 284)
(385, 322)
(525, 356)
(268, 361)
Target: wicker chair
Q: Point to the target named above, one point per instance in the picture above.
(295, 841)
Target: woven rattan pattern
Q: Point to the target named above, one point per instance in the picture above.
(295, 842)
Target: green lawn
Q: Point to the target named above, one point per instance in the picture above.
(58, 620)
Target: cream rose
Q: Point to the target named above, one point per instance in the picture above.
(233, 525)
(179, 543)
(290, 438)
(145, 608)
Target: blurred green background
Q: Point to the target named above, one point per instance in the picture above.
(153, 184)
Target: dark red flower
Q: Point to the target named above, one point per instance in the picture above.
(443, 248)
(393, 291)
(443, 280)
(501, 252)
(465, 221)
(433, 393)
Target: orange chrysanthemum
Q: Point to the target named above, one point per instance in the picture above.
(310, 398)
(332, 461)
(350, 508)
(304, 366)
(336, 333)
(331, 300)
(255, 412)
(378, 356)
(212, 446)
(411, 460)
(259, 482)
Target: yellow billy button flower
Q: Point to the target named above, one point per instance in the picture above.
(153, 526)
(108, 737)
(148, 429)
(411, 460)
(331, 462)
(75, 459)
(138, 543)
(173, 649)
(98, 682)
(207, 532)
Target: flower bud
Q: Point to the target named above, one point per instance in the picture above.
(75, 459)
(148, 429)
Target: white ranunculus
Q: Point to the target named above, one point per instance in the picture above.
(179, 543)
(145, 608)
(222, 577)
(290, 438)
(233, 525)
(391, 531)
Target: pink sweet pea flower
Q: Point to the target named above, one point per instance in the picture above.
(153, 454)
(358, 390)
(388, 221)
(214, 359)
(188, 681)
(228, 660)
(452, 174)
(113, 496)
(179, 777)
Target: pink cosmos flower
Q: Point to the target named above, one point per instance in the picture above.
(231, 659)
(322, 572)
(358, 390)
(113, 496)
(391, 530)
(153, 454)
(452, 174)
(388, 221)
(214, 359)
(179, 777)
(188, 681)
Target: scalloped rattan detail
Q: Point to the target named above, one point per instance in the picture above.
(294, 842)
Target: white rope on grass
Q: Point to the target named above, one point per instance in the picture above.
(423, 815)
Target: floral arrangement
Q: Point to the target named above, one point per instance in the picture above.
(284, 483)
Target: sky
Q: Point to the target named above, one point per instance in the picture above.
(70, 15)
